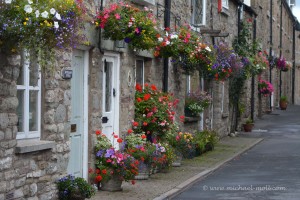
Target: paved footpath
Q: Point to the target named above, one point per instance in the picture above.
(167, 185)
(270, 170)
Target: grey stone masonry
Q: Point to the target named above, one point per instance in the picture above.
(29, 168)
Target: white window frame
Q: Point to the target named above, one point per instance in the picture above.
(193, 13)
(26, 134)
(223, 97)
(225, 4)
(143, 71)
(188, 84)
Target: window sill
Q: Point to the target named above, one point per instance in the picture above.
(225, 115)
(27, 146)
(225, 12)
(191, 119)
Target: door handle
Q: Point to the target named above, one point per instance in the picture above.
(104, 120)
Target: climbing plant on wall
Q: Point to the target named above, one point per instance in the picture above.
(247, 48)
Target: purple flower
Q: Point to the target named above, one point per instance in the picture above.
(127, 40)
(109, 152)
(99, 153)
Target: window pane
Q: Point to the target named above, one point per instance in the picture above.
(20, 110)
(197, 12)
(108, 86)
(33, 72)
(225, 3)
(140, 72)
(33, 117)
(20, 80)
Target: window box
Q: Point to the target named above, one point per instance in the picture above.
(144, 2)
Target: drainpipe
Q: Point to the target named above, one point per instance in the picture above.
(253, 77)
(271, 44)
(294, 62)
(167, 16)
(100, 31)
(280, 50)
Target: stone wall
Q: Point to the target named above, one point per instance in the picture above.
(28, 169)
(9, 71)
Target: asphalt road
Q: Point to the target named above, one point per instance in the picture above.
(270, 170)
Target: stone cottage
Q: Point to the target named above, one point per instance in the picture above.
(48, 119)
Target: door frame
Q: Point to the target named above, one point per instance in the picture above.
(116, 58)
(85, 110)
(85, 114)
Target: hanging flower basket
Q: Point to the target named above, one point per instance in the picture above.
(265, 88)
(125, 22)
(185, 48)
(282, 64)
(225, 62)
(40, 26)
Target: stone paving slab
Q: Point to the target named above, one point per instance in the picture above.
(164, 185)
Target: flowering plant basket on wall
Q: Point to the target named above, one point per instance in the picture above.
(125, 22)
(265, 88)
(282, 64)
(40, 25)
(184, 47)
(225, 62)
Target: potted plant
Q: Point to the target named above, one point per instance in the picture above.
(183, 144)
(112, 166)
(205, 141)
(71, 188)
(126, 22)
(283, 102)
(40, 26)
(265, 88)
(248, 125)
(185, 47)
(196, 102)
(140, 149)
(154, 112)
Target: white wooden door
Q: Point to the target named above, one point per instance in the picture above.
(77, 115)
(110, 97)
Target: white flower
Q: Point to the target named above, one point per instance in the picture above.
(160, 39)
(28, 9)
(8, 1)
(162, 149)
(45, 14)
(30, 1)
(208, 49)
(56, 25)
(167, 42)
(57, 16)
(174, 36)
(52, 11)
(37, 13)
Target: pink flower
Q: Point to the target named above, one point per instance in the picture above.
(117, 16)
(106, 16)
(113, 7)
(137, 30)
(149, 114)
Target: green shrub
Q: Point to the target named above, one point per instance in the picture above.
(70, 187)
(205, 140)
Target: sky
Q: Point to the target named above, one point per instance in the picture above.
(296, 10)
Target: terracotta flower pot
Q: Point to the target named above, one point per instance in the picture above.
(283, 105)
(248, 127)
